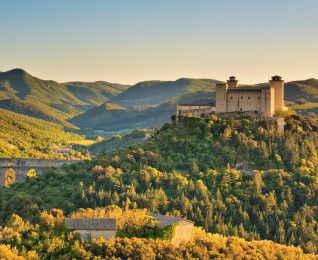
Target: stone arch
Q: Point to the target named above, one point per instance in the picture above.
(9, 177)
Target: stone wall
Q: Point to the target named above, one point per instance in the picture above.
(194, 110)
(243, 101)
(93, 234)
(183, 232)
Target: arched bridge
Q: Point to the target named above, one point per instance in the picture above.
(21, 166)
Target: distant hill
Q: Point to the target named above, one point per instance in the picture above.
(303, 89)
(95, 92)
(50, 100)
(114, 117)
(157, 92)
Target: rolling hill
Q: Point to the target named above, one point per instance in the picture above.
(46, 99)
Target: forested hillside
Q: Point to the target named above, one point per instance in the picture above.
(233, 177)
(46, 99)
(50, 239)
(26, 137)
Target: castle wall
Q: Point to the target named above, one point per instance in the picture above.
(243, 101)
(267, 104)
(194, 110)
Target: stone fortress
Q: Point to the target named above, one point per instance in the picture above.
(233, 100)
(258, 100)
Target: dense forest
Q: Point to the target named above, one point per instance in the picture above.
(26, 137)
(49, 239)
(238, 177)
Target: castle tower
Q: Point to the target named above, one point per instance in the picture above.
(221, 93)
(232, 82)
(278, 85)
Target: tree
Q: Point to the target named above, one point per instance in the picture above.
(10, 177)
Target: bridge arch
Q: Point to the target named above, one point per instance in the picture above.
(22, 166)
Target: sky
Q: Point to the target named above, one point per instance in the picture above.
(130, 41)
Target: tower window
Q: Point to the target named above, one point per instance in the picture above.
(241, 97)
(231, 97)
(249, 97)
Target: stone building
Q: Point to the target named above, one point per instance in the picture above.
(194, 110)
(91, 228)
(261, 100)
(66, 150)
(183, 231)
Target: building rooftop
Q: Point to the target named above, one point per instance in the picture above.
(165, 220)
(91, 223)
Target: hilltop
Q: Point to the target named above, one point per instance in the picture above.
(207, 171)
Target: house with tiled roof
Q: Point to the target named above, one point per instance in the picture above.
(91, 228)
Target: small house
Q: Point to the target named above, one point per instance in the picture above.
(66, 150)
(183, 229)
(91, 228)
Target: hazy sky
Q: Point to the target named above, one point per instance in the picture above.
(129, 41)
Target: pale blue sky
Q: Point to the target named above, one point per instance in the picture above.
(129, 41)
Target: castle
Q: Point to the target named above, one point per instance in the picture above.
(235, 100)
(259, 100)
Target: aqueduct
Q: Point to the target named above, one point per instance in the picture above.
(21, 166)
